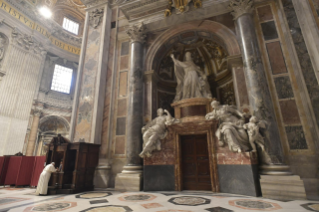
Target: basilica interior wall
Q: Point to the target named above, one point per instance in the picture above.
(27, 68)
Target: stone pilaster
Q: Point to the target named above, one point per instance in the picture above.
(89, 97)
(131, 176)
(260, 101)
(33, 132)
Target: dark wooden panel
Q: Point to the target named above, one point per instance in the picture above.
(195, 163)
(195, 110)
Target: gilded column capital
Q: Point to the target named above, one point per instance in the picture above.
(241, 7)
(137, 33)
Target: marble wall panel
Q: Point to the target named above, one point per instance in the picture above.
(86, 101)
(119, 145)
(121, 107)
(124, 62)
(121, 126)
(123, 84)
(269, 30)
(125, 48)
(277, 61)
(296, 137)
(107, 101)
(241, 86)
(289, 111)
(235, 158)
(264, 13)
(226, 19)
(303, 56)
(283, 87)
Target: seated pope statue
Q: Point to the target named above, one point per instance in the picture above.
(191, 81)
(42, 188)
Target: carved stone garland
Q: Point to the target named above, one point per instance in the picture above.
(95, 17)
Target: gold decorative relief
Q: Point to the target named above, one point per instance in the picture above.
(181, 6)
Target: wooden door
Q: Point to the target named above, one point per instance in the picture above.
(195, 163)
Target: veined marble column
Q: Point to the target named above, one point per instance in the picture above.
(131, 176)
(33, 133)
(259, 96)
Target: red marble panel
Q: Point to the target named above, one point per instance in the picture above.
(121, 107)
(289, 111)
(241, 87)
(234, 158)
(120, 145)
(124, 63)
(276, 58)
(123, 84)
(265, 13)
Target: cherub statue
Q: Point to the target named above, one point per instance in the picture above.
(254, 135)
(154, 131)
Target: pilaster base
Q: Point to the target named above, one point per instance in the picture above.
(128, 182)
(282, 187)
(102, 176)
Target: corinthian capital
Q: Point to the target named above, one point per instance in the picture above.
(241, 7)
(137, 33)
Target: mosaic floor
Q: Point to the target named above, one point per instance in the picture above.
(24, 200)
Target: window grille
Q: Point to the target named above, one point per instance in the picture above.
(70, 26)
(62, 78)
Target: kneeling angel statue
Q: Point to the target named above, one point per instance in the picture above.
(154, 131)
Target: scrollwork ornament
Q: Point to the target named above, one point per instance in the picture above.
(241, 7)
(95, 17)
(137, 33)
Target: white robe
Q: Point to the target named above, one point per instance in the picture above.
(42, 187)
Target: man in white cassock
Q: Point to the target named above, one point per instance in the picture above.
(42, 188)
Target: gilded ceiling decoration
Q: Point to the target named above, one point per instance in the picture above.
(181, 6)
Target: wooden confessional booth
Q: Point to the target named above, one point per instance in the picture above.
(76, 172)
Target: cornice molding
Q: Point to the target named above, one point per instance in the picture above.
(53, 27)
(27, 42)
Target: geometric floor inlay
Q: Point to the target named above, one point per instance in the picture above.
(311, 206)
(152, 205)
(91, 195)
(189, 200)
(173, 210)
(218, 209)
(137, 197)
(53, 206)
(254, 204)
(109, 208)
(9, 200)
(99, 201)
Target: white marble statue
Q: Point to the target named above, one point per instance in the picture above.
(253, 130)
(191, 81)
(42, 188)
(230, 128)
(154, 131)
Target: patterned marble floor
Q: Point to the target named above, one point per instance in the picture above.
(24, 200)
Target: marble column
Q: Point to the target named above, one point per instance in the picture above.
(260, 101)
(130, 178)
(33, 132)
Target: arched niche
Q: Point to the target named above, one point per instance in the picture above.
(210, 43)
(49, 127)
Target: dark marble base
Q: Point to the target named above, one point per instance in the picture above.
(239, 179)
(159, 178)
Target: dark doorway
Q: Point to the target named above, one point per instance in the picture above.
(195, 163)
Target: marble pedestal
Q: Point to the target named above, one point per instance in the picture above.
(128, 182)
(238, 173)
(282, 187)
(102, 176)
